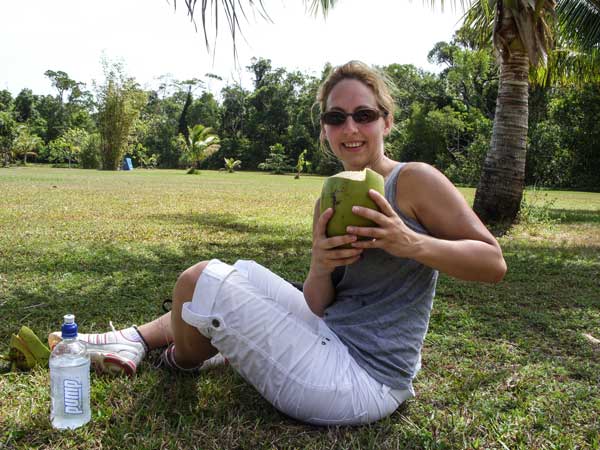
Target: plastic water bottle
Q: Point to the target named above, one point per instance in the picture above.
(70, 379)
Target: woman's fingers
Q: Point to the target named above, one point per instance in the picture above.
(370, 214)
(321, 226)
(382, 203)
(370, 243)
(338, 241)
(372, 232)
(343, 254)
(379, 217)
(347, 261)
(333, 263)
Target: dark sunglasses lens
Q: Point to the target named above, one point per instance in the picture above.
(334, 118)
(365, 115)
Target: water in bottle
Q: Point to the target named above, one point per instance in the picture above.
(70, 379)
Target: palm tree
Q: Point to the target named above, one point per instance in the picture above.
(522, 33)
(231, 164)
(26, 144)
(521, 38)
(200, 144)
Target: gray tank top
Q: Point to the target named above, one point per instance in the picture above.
(382, 306)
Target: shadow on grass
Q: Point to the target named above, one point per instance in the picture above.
(549, 297)
(226, 412)
(565, 216)
(222, 221)
(575, 215)
(127, 283)
(214, 410)
(232, 222)
(540, 297)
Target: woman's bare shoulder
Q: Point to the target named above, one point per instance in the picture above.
(414, 171)
(413, 181)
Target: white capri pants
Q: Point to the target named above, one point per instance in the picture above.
(265, 329)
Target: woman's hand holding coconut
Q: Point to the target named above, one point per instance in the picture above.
(391, 234)
(326, 254)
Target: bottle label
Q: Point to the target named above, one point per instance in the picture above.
(73, 396)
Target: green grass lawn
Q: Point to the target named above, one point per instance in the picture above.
(504, 366)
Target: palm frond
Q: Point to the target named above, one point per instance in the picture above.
(534, 22)
(232, 9)
(314, 6)
(568, 66)
(480, 19)
(463, 4)
(579, 22)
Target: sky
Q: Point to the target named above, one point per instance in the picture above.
(152, 39)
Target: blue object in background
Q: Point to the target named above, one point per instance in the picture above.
(127, 164)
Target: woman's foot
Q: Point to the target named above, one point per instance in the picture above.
(115, 352)
(167, 359)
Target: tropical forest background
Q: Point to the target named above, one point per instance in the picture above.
(443, 118)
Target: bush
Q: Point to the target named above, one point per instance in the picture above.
(326, 163)
(277, 162)
(536, 208)
(548, 161)
(466, 168)
(90, 153)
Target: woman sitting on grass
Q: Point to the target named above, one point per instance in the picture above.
(347, 348)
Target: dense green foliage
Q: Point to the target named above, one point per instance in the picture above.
(276, 162)
(565, 141)
(444, 119)
(504, 366)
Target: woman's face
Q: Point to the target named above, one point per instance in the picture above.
(357, 145)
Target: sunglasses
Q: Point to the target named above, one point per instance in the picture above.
(365, 115)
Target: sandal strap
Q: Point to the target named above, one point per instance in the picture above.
(168, 358)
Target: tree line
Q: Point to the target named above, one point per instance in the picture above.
(444, 119)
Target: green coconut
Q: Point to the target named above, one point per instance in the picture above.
(345, 190)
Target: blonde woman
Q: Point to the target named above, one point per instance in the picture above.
(346, 349)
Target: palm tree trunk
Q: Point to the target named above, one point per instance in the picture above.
(500, 187)
(183, 127)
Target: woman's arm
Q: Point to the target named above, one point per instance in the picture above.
(459, 245)
(318, 287)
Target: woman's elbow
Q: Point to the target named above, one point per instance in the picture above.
(316, 309)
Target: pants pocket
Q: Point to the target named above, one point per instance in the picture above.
(207, 325)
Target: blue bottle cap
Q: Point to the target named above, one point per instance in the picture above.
(69, 327)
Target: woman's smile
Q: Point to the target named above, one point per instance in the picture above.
(353, 146)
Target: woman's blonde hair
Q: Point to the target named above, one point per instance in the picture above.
(376, 80)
